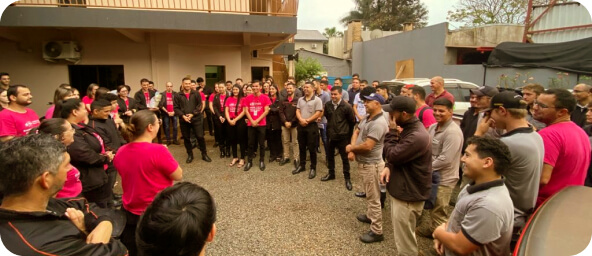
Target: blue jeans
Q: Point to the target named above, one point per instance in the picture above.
(166, 122)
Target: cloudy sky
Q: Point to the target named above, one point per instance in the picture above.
(320, 14)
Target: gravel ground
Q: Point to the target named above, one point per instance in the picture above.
(276, 213)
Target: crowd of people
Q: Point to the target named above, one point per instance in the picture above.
(511, 152)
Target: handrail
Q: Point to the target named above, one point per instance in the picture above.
(254, 7)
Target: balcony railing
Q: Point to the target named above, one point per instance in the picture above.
(255, 7)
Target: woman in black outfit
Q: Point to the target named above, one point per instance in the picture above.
(127, 105)
(274, 126)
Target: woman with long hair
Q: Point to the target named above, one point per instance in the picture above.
(237, 127)
(62, 131)
(89, 155)
(63, 92)
(274, 126)
(90, 95)
(145, 169)
(127, 105)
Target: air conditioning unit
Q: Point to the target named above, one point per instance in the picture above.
(314, 46)
(61, 50)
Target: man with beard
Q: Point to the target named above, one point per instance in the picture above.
(17, 119)
(187, 106)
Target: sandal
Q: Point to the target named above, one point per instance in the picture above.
(241, 164)
(234, 161)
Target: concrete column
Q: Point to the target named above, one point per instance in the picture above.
(246, 63)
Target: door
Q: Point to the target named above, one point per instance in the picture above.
(258, 73)
(109, 76)
(214, 74)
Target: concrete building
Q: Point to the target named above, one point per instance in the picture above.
(121, 42)
(311, 40)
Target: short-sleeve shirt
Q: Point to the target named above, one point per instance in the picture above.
(145, 170)
(232, 108)
(359, 106)
(375, 129)
(72, 186)
(432, 97)
(427, 116)
(309, 107)
(17, 124)
(325, 97)
(169, 102)
(256, 107)
(222, 97)
(484, 214)
(49, 112)
(87, 101)
(567, 149)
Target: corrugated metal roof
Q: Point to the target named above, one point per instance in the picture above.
(561, 15)
(309, 35)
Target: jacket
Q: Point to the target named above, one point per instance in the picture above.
(578, 115)
(340, 120)
(141, 100)
(123, 108)
(52, 233)
(274, 121)
(183, 106)
(409, 158)
(288, 110)
(468, 125)
(85, 155)
(162, 103)
(107, 129)
(217, 106)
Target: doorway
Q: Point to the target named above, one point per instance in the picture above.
(258, 73)
(109, 76)
(213, 75)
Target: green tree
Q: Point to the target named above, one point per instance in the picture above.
(332, 32)
(307, 69)
(480, 12)
(388, 14)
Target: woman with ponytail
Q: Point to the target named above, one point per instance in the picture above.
(145, 169)
(62, 130)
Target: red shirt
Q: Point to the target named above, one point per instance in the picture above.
(169, 101)
(147, 96)
(428, 116)
(72, 186)
(17, 124)
(203, 97)
(145, 170)
(256, 107)
(222, 97)
(432, 97)
(232, 109)
(86, 100)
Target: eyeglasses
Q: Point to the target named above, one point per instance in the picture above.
(541, 105)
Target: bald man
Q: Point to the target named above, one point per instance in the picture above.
(582, 94)
(437, 86)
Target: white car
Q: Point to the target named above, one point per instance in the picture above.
(458, 88)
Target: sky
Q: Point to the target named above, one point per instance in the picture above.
(321, 14)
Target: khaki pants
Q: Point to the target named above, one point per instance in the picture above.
(370, 177)
(404, 216)
(439, 214)
(286, 134)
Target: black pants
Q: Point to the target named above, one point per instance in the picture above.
(195, 127)
(274, 141)
(237, 135)
(112, 178)
(220, 134)
(102, 196)
(209, 120)
(308, 138)
(128, 236)
(340, 145)
(256, 136)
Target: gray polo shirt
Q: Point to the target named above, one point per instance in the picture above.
(447, 145)
(308, 108)
(325, 97)
(375, 129)
(483, 213)
(523, 176)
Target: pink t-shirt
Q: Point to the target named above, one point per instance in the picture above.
(428, 116)
(567, 149)
(17, 124)
(232, 109)
(222, 97)
(147, 96)
(203, 97)
(256, 107)
(86, 100)
(49, 112)
(169, 101)
(145, 170)
(72, 186)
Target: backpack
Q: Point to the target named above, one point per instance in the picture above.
(420, 116)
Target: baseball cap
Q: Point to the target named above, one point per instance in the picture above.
(507, 99)
(408, 86)
(400, 103)
(376, 97)
(485, 91)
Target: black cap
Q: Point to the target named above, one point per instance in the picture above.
(507, 99)
(400, 103)
(485, 91)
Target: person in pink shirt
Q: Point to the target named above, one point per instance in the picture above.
(145, 169)
(17, 120)
(237, 126)
(63, 92)
(62, 130)
(169, 119)
(567, 147)
(256, 108)
(423, 112)
(90, 95)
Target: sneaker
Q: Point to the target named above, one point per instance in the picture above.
(371, 237)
